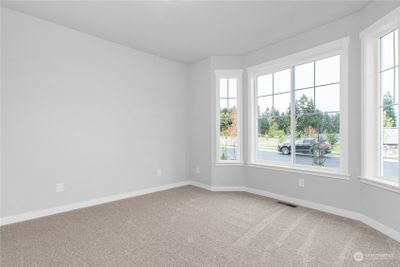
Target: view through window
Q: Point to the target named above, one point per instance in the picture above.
(312, 135)
(389, 106)
(273, 116)
(228, 120)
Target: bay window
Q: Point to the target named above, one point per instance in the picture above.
(298, 116)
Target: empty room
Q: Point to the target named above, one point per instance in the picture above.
(200, 133)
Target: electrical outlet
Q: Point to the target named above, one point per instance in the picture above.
(59, 187)
(301, 182)
(158, 173)
(197, 170)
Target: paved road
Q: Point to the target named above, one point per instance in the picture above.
(390, 167)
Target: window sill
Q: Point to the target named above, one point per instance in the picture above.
(380, 183)
(328, 174)
(228, 163)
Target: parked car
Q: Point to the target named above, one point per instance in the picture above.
(303, 145)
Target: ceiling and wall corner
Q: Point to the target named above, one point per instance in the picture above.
(187, 31)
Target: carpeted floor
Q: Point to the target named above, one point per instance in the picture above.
(189, 226)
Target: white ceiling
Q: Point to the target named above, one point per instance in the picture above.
(189, 31)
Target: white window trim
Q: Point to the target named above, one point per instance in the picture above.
(370, 83)
(338, 47)
(298, 169)
(229, 74)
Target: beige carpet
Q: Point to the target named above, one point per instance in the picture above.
(189, 226)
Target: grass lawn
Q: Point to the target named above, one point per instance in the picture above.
(336, 150)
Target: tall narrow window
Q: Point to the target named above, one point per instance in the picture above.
(381, 94)
(389, 106)
(228, 138)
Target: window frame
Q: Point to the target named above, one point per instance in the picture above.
(338, 47)
(371, 103)
(229, 74)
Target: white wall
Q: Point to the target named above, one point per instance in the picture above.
(95, 115)
(202, 123)
(342, 194)
(199, 125)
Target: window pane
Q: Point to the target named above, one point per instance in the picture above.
(282, 81)
(327, 98)
(327, 70)
(318, 131)
(390, 163)
(232, 88)
(318, 139)
(273, 133)
(390, 115)
(223, 87)
(232, 103)
(306, 94)
(389, 109)
(390, 142)
(228, 135)
(396, 39)
(304, 75)
(387, 51)
(396, 85)
(264, 85)
(273, 138)
(282, 103)
(387, 82)
(223, 103)
(264, 104)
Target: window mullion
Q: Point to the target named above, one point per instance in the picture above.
(217, 118)
(315, 87)
(394, 68)
(255, 110)
(292, 115)
(273, 91)
(227, 93)
(398, 102)
(398, 137)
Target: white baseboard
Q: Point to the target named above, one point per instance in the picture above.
(308, 204)
(312, 205)
(325, 208)
(380, 227)
(227, 188)
(217, 188)
(200, 185)
(84, 204)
